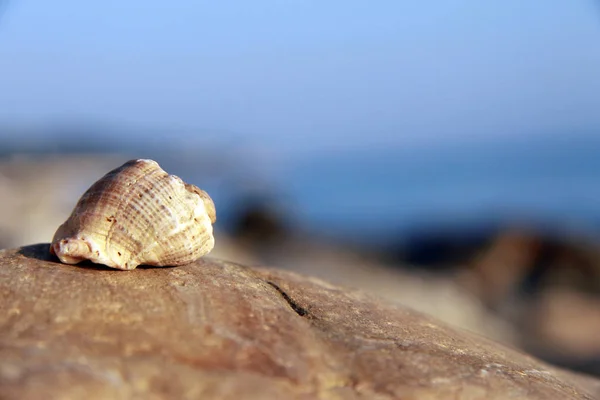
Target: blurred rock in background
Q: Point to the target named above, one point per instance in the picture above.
(37, 193)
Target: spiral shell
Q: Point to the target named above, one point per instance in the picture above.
(137, 214)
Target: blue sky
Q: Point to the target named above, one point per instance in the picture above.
(306, 73)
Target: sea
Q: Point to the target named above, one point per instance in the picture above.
(372, 194)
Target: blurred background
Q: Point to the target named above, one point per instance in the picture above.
(440, 154)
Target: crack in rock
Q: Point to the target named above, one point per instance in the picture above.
(297, 309)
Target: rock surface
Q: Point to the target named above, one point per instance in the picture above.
(217, 330)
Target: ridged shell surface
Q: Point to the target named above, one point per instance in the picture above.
(138, 214)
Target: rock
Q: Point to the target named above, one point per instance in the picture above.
(441, 296)
(218, 330)
(563, 327)
(521, 265)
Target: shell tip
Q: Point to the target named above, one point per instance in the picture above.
(71, 250)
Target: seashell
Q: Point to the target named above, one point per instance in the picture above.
(137, 214)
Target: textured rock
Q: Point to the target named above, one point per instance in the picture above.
(217, 330)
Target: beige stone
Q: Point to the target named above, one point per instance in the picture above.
(218, 330)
